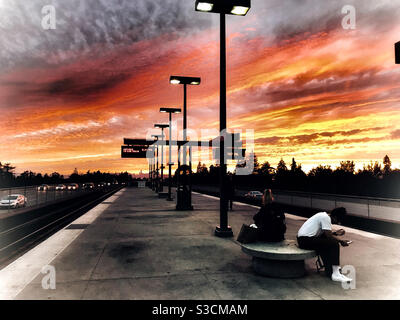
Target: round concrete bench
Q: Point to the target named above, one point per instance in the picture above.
(278, 259)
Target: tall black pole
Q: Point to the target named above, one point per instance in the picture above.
(177, 174)
(223, 230)
(158, 177)
(154, 169)
(184, 122)
(169, 158)
(162, 163)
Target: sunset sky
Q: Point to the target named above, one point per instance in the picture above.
(307, 87)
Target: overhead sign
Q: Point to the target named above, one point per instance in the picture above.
(133, 152)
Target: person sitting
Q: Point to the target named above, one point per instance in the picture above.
(316, 234)
(270, 219)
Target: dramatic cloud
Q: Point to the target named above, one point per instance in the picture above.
(309, 89)
(88, 27)
(307, 138)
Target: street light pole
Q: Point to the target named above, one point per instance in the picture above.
(162, 162)
(223, 229)
(184, 122)
(156, 136)
(236, 7)
(157, 173)
(169, 198)
(152, 170)
(187, 204)
(162, 127)
(170, 164)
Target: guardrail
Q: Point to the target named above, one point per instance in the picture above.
(383, 209)
(368, 207)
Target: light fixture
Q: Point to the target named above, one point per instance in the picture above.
(170, 164)
(161, 126)
(239, 10)
(170, 110)
(184, 80)
(223, 7)
(235, 7)
(204, 6)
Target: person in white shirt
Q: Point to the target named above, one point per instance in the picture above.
(316, 234)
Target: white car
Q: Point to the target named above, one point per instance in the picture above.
(61, 187)
(13, 201)
(255, 195)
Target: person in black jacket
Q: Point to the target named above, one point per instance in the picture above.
(270, 220)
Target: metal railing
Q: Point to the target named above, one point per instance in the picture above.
(369, 207)
(384, 209)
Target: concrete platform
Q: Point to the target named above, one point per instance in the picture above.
(137, 246)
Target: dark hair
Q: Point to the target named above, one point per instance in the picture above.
(339, 213)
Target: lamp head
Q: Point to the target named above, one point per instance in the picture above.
(184, 80)
(235, 7)
(170, 110)
(161, 126)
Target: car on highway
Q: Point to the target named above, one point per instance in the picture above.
(73, 186)
(61, 187)
(101, 184)
(13, 201)
(88, 185)
(43, 187)
(253, 195)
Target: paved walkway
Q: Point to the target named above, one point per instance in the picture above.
(137, 246)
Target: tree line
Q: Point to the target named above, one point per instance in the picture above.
(8, 178)
(374, 180)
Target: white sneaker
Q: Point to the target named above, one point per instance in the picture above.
(340, 278)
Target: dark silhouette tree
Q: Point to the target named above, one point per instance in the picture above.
(347, 167)
(387, 165)
(266, 169)
(281, 167)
